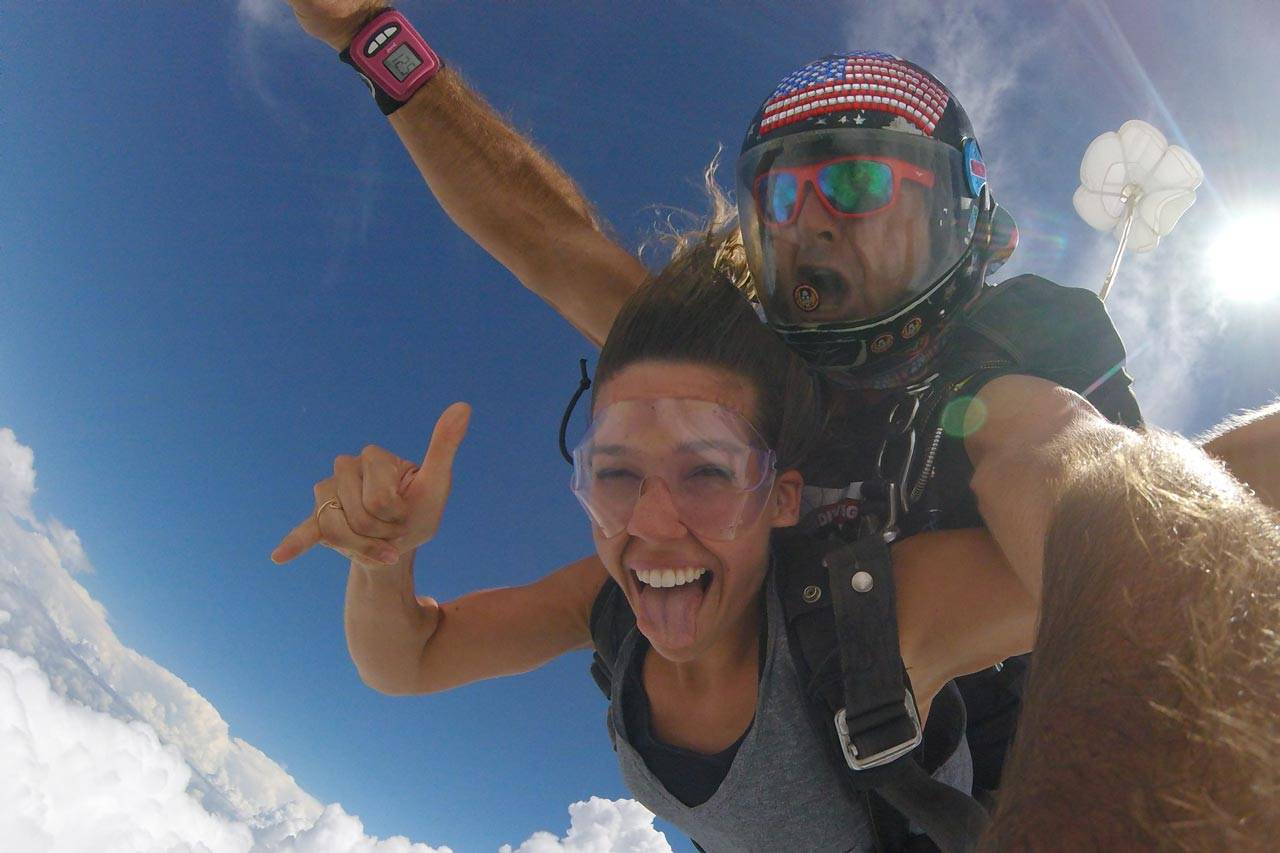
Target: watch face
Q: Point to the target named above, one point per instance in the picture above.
(402, 61)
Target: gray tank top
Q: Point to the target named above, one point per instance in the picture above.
(781, 792)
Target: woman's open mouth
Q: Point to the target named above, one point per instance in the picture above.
(668, 602)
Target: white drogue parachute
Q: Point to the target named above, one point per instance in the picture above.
(1137, 185)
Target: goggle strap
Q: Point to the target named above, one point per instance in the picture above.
(583, 384)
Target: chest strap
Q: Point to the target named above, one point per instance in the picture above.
(842, 619)
(877, 722)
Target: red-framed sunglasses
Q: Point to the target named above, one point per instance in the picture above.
(847, 186)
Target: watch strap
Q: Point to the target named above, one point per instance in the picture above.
(386, 101)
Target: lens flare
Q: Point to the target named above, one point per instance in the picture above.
(1241, 261)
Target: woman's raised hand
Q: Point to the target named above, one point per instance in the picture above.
(334, 22)
(377, 506)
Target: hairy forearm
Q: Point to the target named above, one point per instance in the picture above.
(516, 203)
(1149, 719)
(500, 189)
(387, 625)
(1249, 444)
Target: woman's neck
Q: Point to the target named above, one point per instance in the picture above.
(735, 653)
(706, 705)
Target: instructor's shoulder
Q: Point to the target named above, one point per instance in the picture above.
(1041, 322)
(1059, 334)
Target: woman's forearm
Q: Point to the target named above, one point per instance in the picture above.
(387, 625)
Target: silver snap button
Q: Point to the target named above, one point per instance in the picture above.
(812, 594)
(862, 582)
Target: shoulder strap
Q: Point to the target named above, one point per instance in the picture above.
(842, 626)
(1062, 334)
(610, 621)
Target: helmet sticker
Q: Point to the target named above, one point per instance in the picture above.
(901, 124)
(882, 343)
(868, 80)
(974, 168)
(806, 297)
(912, 328)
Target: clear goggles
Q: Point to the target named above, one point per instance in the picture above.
(706, 462)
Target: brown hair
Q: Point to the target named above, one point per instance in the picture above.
(692, 312)
(719, 224)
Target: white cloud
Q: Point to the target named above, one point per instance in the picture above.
(17, 476)
(978, 52)
(76, 779)
(103, 749)
(265, 13)
(67, 543)
(600, 826)
(264, 29)
(1168, 318)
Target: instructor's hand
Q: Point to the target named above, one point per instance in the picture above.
(377, 506)
(334, 22)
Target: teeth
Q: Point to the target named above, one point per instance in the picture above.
(662, 578)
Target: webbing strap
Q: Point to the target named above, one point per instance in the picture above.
(951, 819)
(880, 722)
(879, 710)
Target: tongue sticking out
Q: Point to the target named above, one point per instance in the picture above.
(668, 616)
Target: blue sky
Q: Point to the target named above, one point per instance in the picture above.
(218, 269)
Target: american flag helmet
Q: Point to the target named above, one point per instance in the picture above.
(867, 90)
(873, 106)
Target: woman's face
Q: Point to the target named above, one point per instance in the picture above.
(681, 622)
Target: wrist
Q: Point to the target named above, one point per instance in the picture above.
(343, 31)
(376, 580)
(392, 58)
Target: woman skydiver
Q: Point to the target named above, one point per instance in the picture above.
(699, 419)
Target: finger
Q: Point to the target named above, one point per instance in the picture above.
(348, 479)
(336, 533)
(381, 472)
(297, 542)
(432, 482)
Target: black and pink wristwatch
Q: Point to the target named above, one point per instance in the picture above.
(392, 58)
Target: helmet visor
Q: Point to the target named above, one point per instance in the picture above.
(847, 226)
(700, 461)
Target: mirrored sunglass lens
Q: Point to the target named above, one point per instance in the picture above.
(857, 186)
(779, 196)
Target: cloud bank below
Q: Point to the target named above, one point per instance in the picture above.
(105, 749)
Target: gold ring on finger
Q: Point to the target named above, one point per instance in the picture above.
(332, 502)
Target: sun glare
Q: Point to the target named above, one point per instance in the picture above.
(1242, 259)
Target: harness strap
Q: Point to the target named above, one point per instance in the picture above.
(845, 645)
(610, 621)
(879, 712)
(951, 819)
(877, 721)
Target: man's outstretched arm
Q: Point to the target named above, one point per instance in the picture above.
(1249, 444)
(1024, 435)
(499, 188)
(1149, 720)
